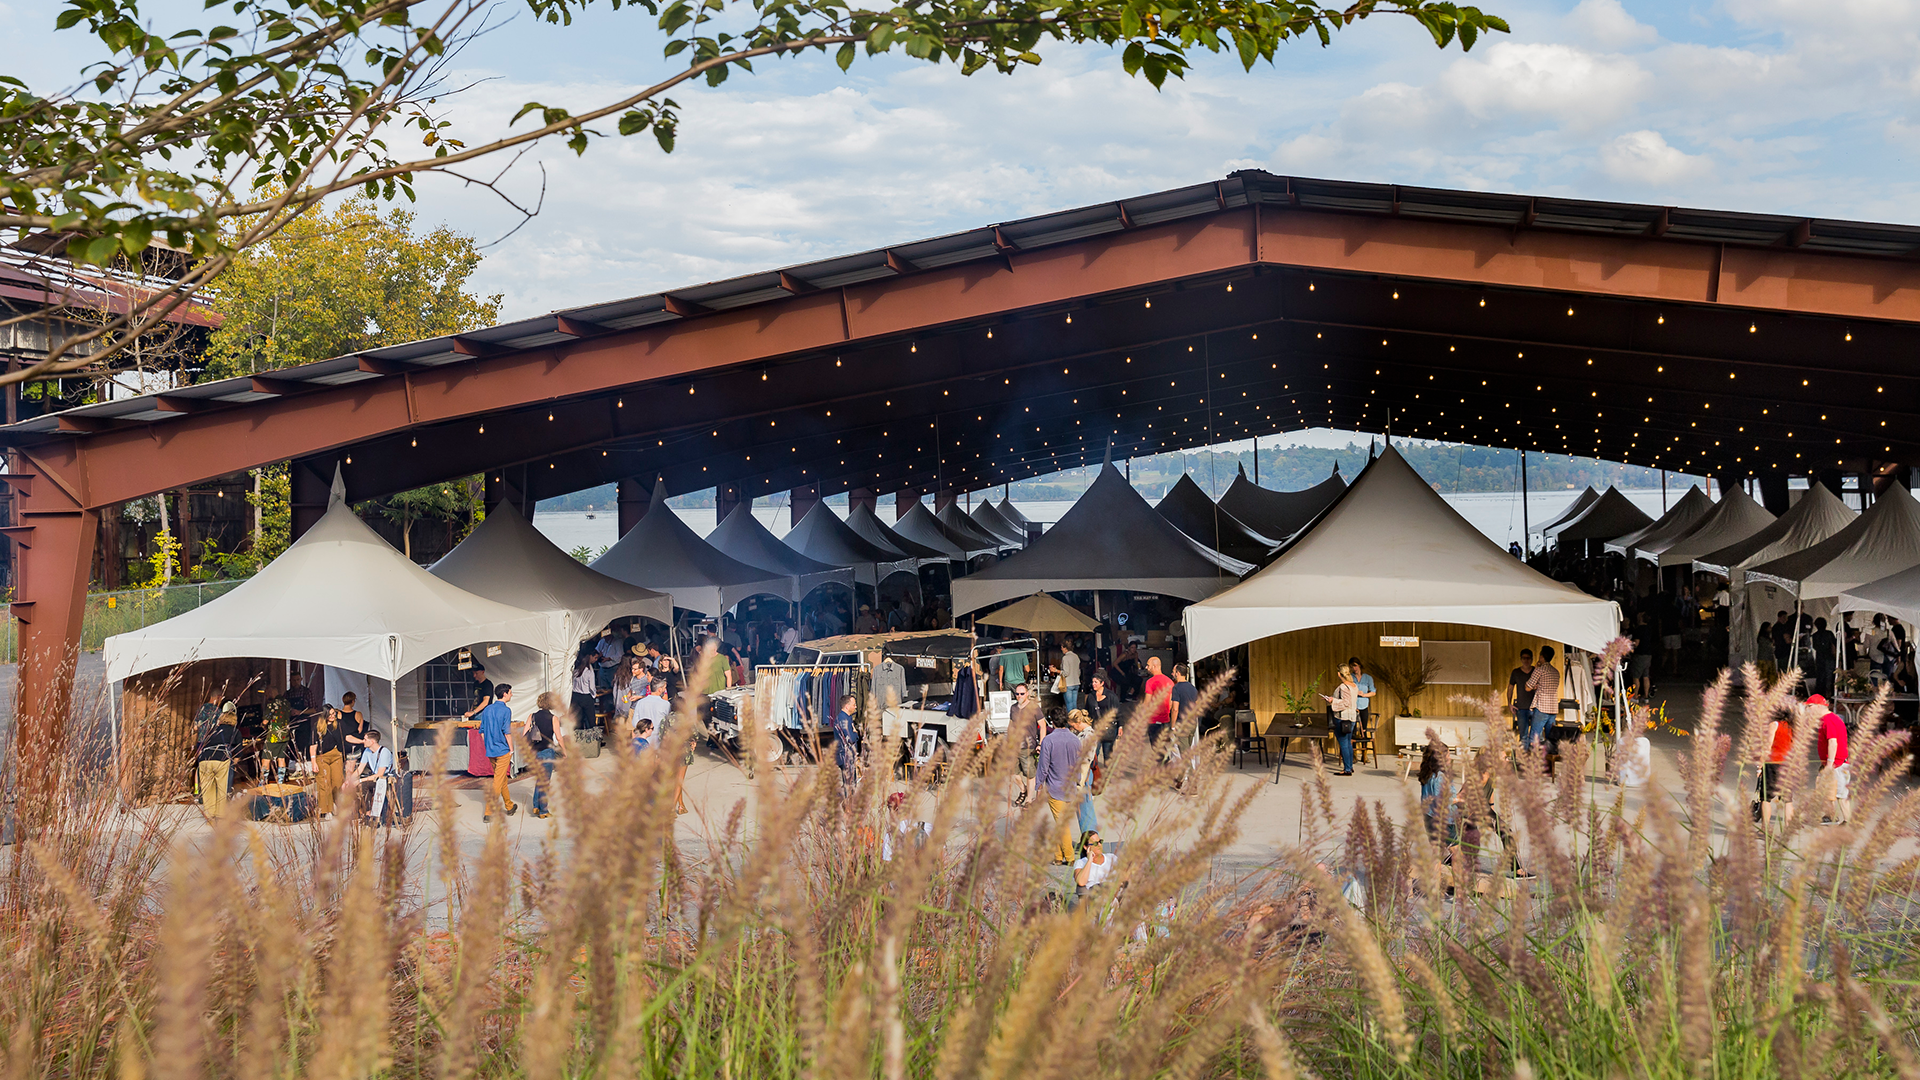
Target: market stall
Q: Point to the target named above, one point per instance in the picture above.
(1394, 575)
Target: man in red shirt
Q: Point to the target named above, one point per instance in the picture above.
(1832, 750)
(1159, 693)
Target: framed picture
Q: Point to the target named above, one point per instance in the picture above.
(925, 745)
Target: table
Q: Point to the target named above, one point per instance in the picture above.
(1852, 705)
(1454, 731)
(1286, 733)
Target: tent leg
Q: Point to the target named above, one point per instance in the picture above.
(393, 714)
(1793, 657)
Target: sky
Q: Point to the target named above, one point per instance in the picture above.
(1754, 105)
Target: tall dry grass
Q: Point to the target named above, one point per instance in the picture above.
(1663, 936)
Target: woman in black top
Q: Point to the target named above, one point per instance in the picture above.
(545, 741)
(328, 761)
(216, 761)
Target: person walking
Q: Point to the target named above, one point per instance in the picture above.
(1159, 694)
(1544, 684)
(1183, 697)
(1826, 657)
(1779, 742)
(544, 737)
(1835, 775)
(1029, 723)
(1081, 725)
(496, 729)
(1519, 698)
(1345, 712)
(327, 759)
(1100, 703)
(1066, 676)
(846, 743)
(1059, 767)
(216, 760)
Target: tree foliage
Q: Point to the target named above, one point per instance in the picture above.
(213, 138)
(339, 281)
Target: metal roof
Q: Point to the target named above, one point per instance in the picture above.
(995, 241)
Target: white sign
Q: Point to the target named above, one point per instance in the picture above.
(493, 650)
(1388, 641)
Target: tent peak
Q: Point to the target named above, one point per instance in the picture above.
(337, 494)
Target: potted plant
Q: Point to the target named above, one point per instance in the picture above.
(1405, 677)
(1300, 705)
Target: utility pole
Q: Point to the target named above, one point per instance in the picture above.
(1526, 528)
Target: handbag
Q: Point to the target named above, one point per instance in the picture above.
(1098, 780)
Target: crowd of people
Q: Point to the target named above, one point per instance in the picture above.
(345, 755)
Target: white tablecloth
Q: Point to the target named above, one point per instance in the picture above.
(1453, 730)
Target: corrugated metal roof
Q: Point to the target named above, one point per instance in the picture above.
(1237, 190)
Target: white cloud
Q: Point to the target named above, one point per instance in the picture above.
(1643, 157)
(1606, 25)
(1577, 88)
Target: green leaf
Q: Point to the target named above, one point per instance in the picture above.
(634, 123)
(844, 57)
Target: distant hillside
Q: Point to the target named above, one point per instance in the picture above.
(1449, 467)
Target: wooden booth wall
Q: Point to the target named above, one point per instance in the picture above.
(1294, 659)
(157, 709)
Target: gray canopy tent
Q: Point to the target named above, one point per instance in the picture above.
(1279, 514)
(920, 526)
(1110, 539)
(1193, 513)
(1656, 535)
(1012, 513)
(968, 534)
(861, 519)
(742, 536)
(991, 520)
(1734, 518)
(663, 554)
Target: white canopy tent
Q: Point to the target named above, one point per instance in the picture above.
(1392, 550)
(1817, 514)
(1897, 595)
(506, 559)
(338, 596)
(1883, 540)
(1680, 518)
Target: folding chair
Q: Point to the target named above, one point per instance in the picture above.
(1246, 741)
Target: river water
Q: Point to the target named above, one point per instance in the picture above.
(1497, 514)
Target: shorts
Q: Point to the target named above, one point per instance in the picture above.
(1670, 642)
(1769, 786)
(1842, 773)
(1029, 763)
(1639, 666)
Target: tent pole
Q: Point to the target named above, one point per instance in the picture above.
(1663, 491)
(1793, 657)
(393, 713)
(1526, 529)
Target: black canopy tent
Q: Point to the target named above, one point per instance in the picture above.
(1611, 515)
(1574, 509)
(742, 536)
(661, 553)
(1012, 513)
(1279, 514)
(1110, 539)
(821, 535)
(1193, 513)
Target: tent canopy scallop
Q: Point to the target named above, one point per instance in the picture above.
(1392, 551)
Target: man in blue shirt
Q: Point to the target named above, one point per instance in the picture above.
(1364, 681)
(496, 729)
(1057, 774)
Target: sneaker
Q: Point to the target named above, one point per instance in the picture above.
(512, 810)
(486, 817)
(542, 814)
